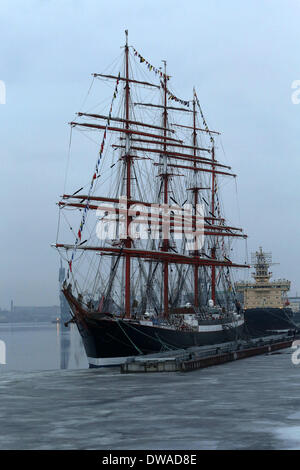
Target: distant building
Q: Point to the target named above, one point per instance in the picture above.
(294, 304)
(33, 314)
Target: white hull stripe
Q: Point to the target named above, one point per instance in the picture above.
(206, 328)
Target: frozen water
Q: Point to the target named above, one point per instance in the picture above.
(249, 404)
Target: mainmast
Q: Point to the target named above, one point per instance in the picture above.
(165, 176)
(128, 178)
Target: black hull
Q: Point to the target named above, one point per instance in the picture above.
(111, 342)
(296, 318)
(261, 321)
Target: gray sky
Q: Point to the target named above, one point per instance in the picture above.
(242, 57)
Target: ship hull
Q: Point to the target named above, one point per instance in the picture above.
(111, 342)
(296, 318)
(261, 321)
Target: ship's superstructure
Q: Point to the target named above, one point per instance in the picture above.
(263, 293)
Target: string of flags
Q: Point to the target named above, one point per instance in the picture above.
(94, 177)
(162, 75)
(203, 118)
(173, 97)
(218, 207)
(150, 67)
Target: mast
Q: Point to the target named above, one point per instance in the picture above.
(213, 249)
(165, 179)
(128, 179)
(195, 190)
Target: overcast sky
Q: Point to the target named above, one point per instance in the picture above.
(241, 55)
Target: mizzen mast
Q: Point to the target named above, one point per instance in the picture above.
(195, 190)
(213, 248)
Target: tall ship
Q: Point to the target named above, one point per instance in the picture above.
(266, 306)
(143, 232)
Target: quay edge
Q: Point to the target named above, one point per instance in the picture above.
(196, 361)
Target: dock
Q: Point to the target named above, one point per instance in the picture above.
(186, 360)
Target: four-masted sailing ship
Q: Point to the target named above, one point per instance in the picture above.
(147, 245)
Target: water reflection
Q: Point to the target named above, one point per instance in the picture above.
(65, 345)
(71, 350)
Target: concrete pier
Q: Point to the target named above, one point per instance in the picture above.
(197, 358)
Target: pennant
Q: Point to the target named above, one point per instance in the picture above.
(203, 118)
(150, 66)
(173, 97)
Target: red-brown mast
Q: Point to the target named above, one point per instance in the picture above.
(213, 249)
(195, 190)
(128, 180)
(165, 179)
